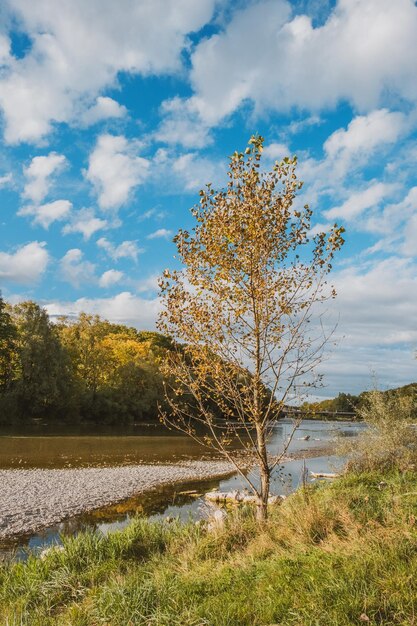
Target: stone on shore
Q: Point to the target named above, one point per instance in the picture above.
(32, 499)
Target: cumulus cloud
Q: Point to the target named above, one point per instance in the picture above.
(364, 135)
(367, 132)
(182, 125)
(396, 225)
(46, 214)
(74, 270)
(192, 171)
(276, 151)
(114, 169)
(376, 309)
(110, 278)
(38, 175)
(104, 108)
(26, 265)
(85, 222)
(347, 151)
(359, 201)
(125, 250)
(161, 233)
(124, 308)
(299, 65)
(70, 62)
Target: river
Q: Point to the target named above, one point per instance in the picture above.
(49, 447)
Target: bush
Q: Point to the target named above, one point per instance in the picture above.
(390, 441)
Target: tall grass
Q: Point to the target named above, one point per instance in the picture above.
(390, 441)
(331, 555)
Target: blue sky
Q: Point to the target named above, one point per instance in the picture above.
(115, 114)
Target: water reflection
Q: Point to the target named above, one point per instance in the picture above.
(187, 501)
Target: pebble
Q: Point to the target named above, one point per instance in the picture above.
(32, 499)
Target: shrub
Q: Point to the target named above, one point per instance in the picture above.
(390, 441)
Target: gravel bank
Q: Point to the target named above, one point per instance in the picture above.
(36, 498)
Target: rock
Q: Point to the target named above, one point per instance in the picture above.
(51, 550)
(323, 475)
(237, 497)
(217, 520)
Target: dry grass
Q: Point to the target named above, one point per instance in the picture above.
(327, 555)
(390, 441)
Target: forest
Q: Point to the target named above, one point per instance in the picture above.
(82, 369)
(87, 369)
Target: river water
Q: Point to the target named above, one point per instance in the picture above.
(48, 448)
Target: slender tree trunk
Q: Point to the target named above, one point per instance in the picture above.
(265, 474)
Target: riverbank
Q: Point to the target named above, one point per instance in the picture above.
(330, 555)
(36, 498)
(32, 499)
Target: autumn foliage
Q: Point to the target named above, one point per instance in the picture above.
(242, 309)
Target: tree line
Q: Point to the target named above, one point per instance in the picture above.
(83, 369)
(346, 402)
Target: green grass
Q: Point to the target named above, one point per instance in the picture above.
(327, 556)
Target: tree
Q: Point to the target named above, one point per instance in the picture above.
(7, 347)
(241, 311)
(83, 339)
(43, 383)
(116, 368)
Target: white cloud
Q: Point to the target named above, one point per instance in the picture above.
(38, 175)
(125, 250)
(276, 151)
(78, 49)
(4, 180)
(193, 172)
(363, 137)
(296, 126)
(382, 296)
(104, 108)
(319, 228)
(359, 201)
(46, 214)
(347, 151)
(110, 278)
(148, 284)
(154, 213)
(124, 308)
(367, 132)
(182, 125)
(115, 170)
(4, 49)
(161, 233)
(26, 265)
(409, 246)
(395, 223)
(84, 222)
(277, 61)
(376, 305)
(74, 270)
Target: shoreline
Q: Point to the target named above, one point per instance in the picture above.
(37, 498)
(33, 499)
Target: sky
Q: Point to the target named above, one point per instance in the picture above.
(114, 115)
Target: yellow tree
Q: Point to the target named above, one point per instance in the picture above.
(241, 311)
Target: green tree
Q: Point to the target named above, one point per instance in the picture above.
(116, 368)
(7, 347)
(43, 384)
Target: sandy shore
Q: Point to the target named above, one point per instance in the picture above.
(36, 498)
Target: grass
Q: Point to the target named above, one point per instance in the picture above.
(332, 555)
